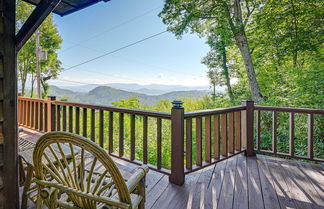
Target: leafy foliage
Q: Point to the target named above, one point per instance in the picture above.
(50, 41)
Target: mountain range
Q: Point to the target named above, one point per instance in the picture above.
(105, 95)
(149, 89)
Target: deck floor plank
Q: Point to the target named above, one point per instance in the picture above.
(213, 190)
(280, 184)
(201, 189)
(238, 182)
(314, 176)
(301, 201)
(254, 184)
(304, 184)
(227, 192)
(270, 197)
(241, 200)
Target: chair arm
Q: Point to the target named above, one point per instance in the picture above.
(139, 174)
(63, 188)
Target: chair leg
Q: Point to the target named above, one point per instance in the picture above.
(141, 191)
(26, 187)
(22, 176)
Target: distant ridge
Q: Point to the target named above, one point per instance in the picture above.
(105, 95)
(149, 89)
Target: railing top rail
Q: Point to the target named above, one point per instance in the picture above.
(32, 99)
(117, 109)
(201, 113)
(290, 109)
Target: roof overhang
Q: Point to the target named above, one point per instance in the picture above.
(66, 7)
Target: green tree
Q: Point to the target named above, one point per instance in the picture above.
(200, 15)
(50, 41)
(217, 62)
(290, 52)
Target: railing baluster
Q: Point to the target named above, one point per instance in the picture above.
(207, 139)
(159, 142)
(132, 136)
(35, 115)
(189, 143)
(93, 119)
(121, 134)
(46, 118)
(238, 131)
(231, 132)
(19, 109)
(71, 119)
(145, 139)
(85, 122)
(52, 116)
(64, 118)
(77, 120)
(23, 112)
(292, 134)
(111, 132)
(101, 128)
(224, 134)
(58, 117)
(32, 115)
(29, 114)
(198, 141)
(216, 137)
(274, 131)
(258, 121)
(310, 133)
(41, 116)
(26, 114)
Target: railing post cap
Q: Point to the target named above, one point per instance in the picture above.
(247, 101)
(51, 98)
(177, 104)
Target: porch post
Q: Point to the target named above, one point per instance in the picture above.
(177, 144)
(9, 197)
(247, 127)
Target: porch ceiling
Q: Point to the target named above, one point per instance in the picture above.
(69, 6)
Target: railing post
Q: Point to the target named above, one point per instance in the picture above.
(177, 144)
(247, 127)
(51, 114)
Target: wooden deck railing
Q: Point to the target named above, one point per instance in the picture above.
(181, 142)
(284, 119)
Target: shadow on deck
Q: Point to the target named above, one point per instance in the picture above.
(239, 182)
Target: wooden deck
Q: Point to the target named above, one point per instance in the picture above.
(259, 182)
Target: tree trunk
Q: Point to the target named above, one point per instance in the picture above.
(238, 29)
(226, 74)
(32, 86)
(242, 43)
(214, 92)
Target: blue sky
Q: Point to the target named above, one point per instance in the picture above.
(108, 26)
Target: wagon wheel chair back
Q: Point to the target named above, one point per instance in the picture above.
(76, 184)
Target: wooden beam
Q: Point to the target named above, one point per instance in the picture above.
(43, 9)
(9, 197)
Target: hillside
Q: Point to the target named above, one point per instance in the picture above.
(104, 95)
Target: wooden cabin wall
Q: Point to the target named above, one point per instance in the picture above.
(8, 108)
